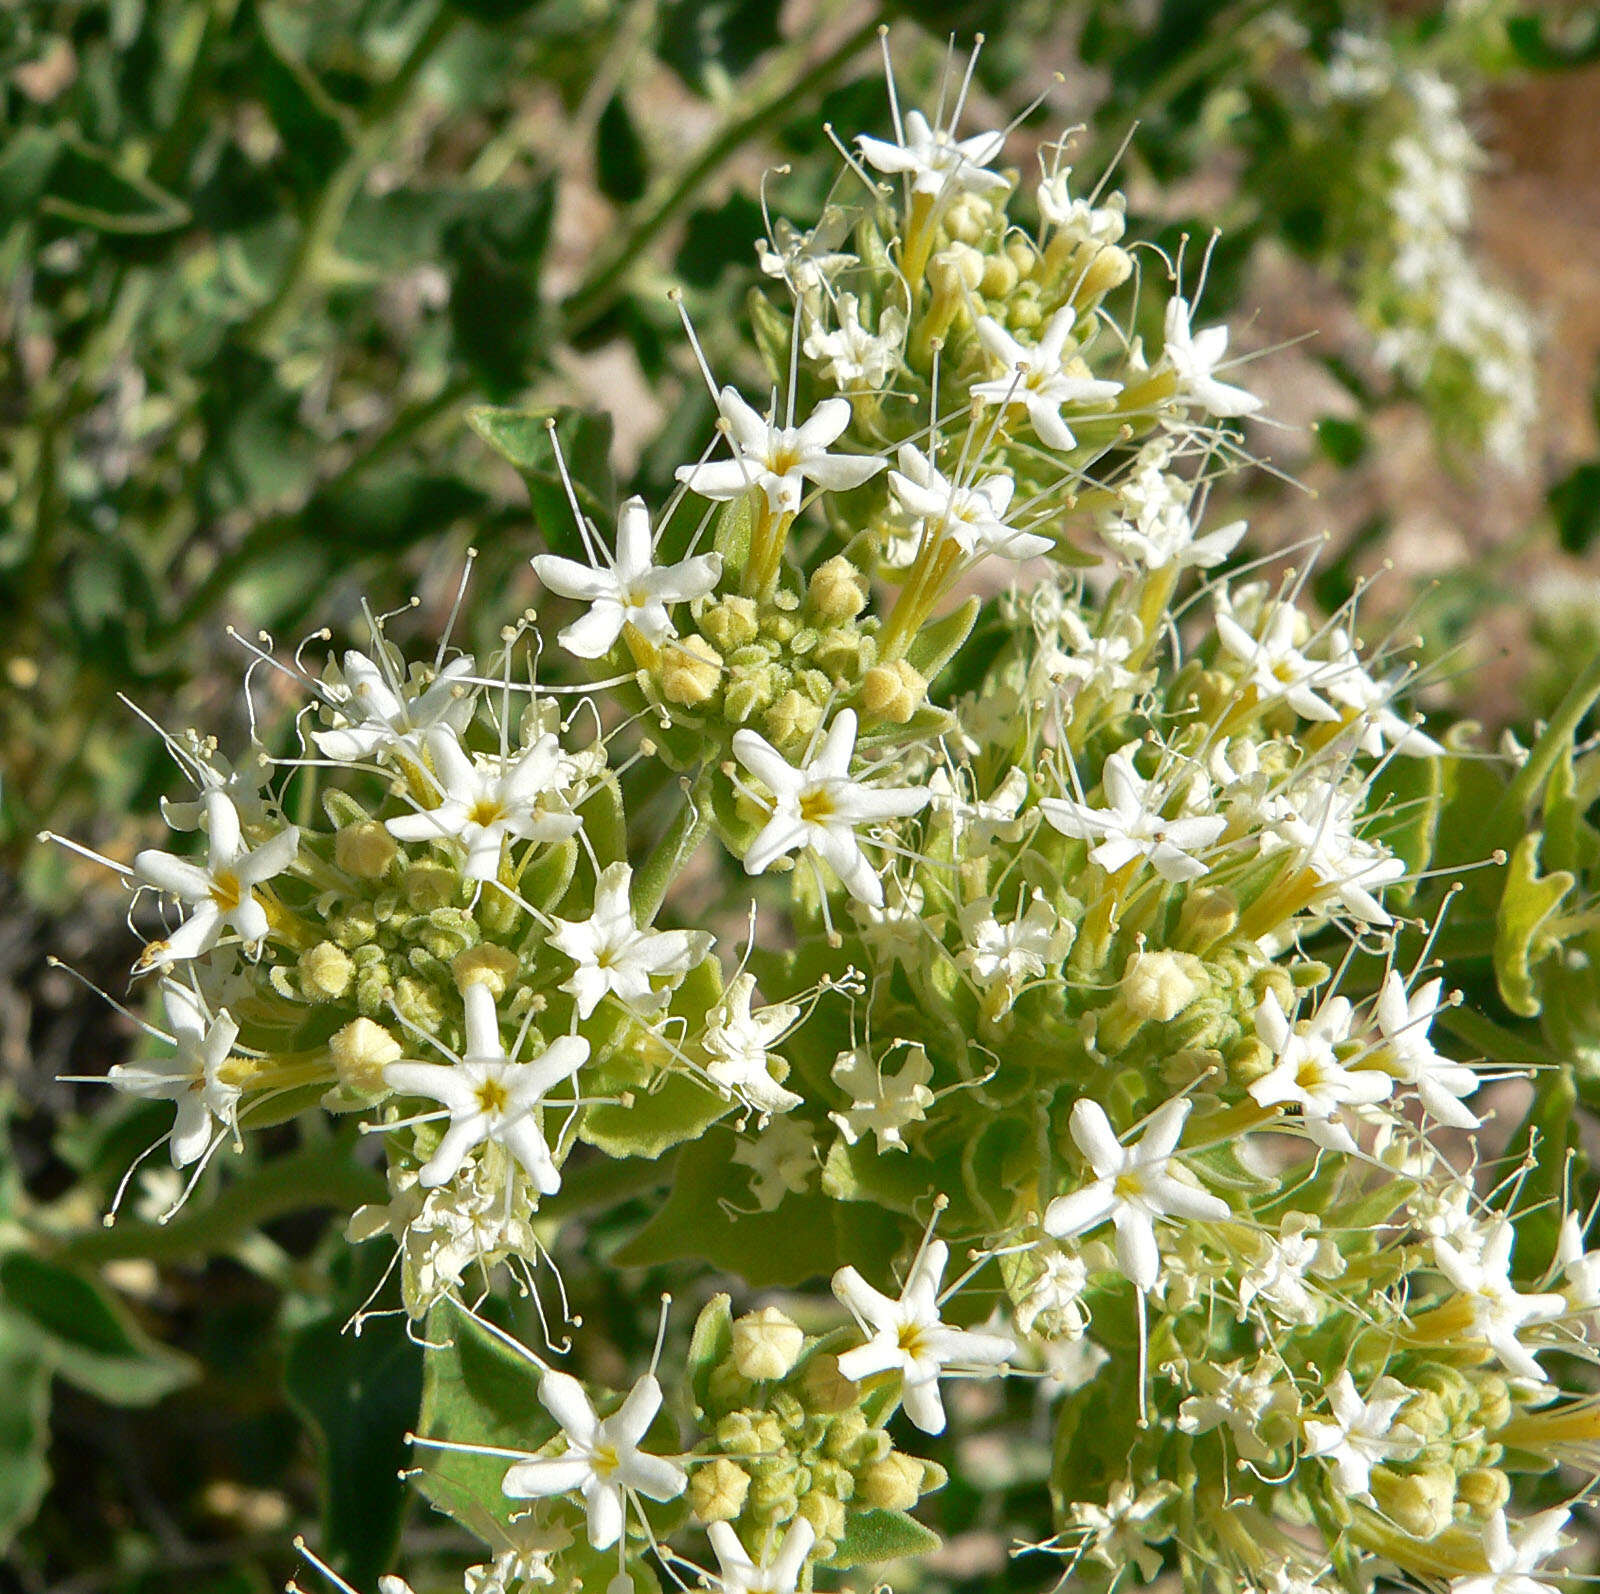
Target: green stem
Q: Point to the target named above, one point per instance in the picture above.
(267, 326)
(1529, 781)
(318, 1176)
(681, 842)
(598, 291)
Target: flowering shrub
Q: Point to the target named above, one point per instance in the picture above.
(928, 854)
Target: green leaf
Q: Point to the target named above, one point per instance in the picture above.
(315, 138)
(1344, 442)
(678, 1109)
(789, 1245)
(495, 251)
(360, 1393)
(619, 159)
(711, 1343)
(87, 188)
(1529, 899)
(877, 1535)
(935, 645)
(475, 1390)
(1545, 1144)
(1533, 48)
(91, 1341)
(524, 438)
(1575, 503)
(24, 1427)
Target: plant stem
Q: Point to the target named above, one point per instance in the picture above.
(597, 292)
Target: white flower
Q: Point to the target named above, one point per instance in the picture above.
(1513, 1568)
(630, 590)
(484, 802)
(1580, 1269)
(614, 954)
(1320, 822)
(780, 1575)
(1499, 1310)
(1088, 660)
(1133, 1186)
(1087, 223)
(1308, 1073)
(1018, 950)
(778, 459)
(1195, 356)
(1404, 1023)
(221, 892)
(375, 710)
(190, 1077)
(1239, 1399)
(602, 1460)
(936, 161)
(1277, 668)
(489, 1097)
(781, 1160)
(853, 353)
(1124, 1528)
(1277, 1276)
(882, 1104)
(907, 1335)
(1362, 1433)
(1151, 524)
(1134, 827)
(805, 260)
(817, 806)
(974, 515)
(738, 1039)
(1347, 682)
(1036, 378)
(1052, 1305)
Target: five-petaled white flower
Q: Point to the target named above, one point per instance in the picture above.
(489, 1097)
(1036, 378)
(881, 1104)
(779, 459)
(1134, 826)
(853, 352)
(379, 710)
(1513, 1568)
(1195, 356)
(1363, 1433)
(738, 1040)
(486, 801)
(1278, 669)
(780, 1575)
(1320, 822)
(631, 589)
(191, 1076)
(907, 1335)
(817, 806)
(936, 161)
(221, 891)
(1499, 1309)
(602, 1461)
(1133, 1186)
(972, 515)
(614, 954)
(1404, 1023)
(1308, 1073)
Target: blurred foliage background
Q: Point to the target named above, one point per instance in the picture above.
(259, 258)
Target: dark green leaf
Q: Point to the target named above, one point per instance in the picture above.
(619, 157)
(1575, 503)
(313, 131)
(876, 1535)
(495, 251)
(24, 1427)
(1536, 48)
(524, 438)
(1344, 442)
(88, 188)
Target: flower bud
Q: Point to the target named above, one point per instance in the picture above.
(749, 691)
(1157, 986)
(690, 671)
(430, 885)
(1485, 1489)
(1109, 268)
(892, 692)
(325, 972)
(1420, 1502)
(791, 720)
(844, 1432)
(1206, 917)
(838, 591)
(365, 850)
(485, 964)
(892, 1484)
(717, 1490)
(360, 1053)
(824, 1513)
(825, 1388)
(1000, 276)
(731, 623)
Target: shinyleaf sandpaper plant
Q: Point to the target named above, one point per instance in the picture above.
(932, 857)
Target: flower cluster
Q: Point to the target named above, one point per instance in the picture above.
(1092, 967)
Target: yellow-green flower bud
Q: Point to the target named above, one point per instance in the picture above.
(1484, 1490)
(1494, 1401)
(365, 850)
(690, 671)
(844, 1435)
(1000, 276)
(430, 885)
(731, 623)
(1425, 1416)
(485, 964)
(825, 1388)
(824, 1513)
(354, 927)
(750, 690)
(1422, 1502)
(838, 591)
(1157, 986)
(892, 1484)
(360, 1053)
(727, 1386)
(892, 692)
(1206, 917)
(718, 1490)
(325, 972)
(791, 720)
